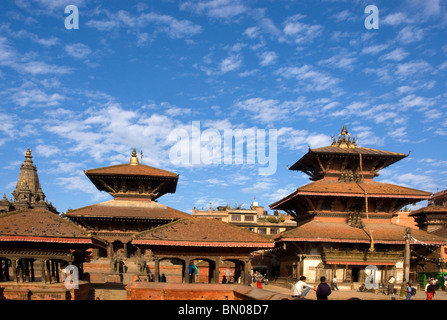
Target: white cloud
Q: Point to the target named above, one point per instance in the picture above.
(231, 63)
(280, 193)
(412, 180)
(416, 67)
(410, 34)
(46, 150)
(346, 16)
(394, 19)
(395, 55)
(34, 97)
(265, 110)
(262, 184)
(252, 32)
(309, 78)
(374, 49)
(299, 32)
(77, 50)
(9, 57)
(42, 68)
(79, 183)
(414, 101)
(173, 27)
(344, 61)
(267, 58)
(222, 9)
(366, 135)
(296, 139)
(398, 132)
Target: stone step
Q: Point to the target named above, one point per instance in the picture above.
(108, 292)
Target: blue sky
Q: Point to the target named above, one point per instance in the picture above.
(135, 72)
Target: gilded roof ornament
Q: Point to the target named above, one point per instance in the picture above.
(28, 155)
(134, 158)
(344, 140)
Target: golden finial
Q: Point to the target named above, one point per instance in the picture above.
(28, 156)
(134, 158)
(344, 139)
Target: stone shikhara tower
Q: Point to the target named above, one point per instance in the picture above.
(28, 193)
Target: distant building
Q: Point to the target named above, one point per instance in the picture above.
(255, 219)
(433, 219)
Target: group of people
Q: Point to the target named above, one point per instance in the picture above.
(430, 289)
(322, 291)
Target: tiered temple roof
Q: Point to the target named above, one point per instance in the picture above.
(133, 180)
(135, 188)
(343, 183)
(344, 204)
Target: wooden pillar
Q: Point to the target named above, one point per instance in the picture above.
(2, 268)
(48, 271)
(211, 268)
(5, 269)
(32, 278)
(216, 271)
(125, 249)
(346, 272)
(42, 270)
(110, 252)
(185, 276)
(14, 269)
(57, 265)
(157, 270)
(245, 271)
(20, 267)
(386, 274)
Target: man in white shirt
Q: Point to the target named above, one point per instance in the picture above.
(301, 288)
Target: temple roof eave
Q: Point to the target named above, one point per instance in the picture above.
(343, 189)
(307, 161)
(203, 243)
(205, 232)
(40, 225)
(339, 232)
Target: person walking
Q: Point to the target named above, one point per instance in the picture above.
(301, 288)
(258, 278)
(323, 289)
(430, 290)
(334, 283)
(391, 281)
(408, 291)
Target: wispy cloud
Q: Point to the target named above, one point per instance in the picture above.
(166, 24)
(299, 32)
(221, 9)
(309, 78)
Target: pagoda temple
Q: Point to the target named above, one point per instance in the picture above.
(344, 216)
(148, 236)
(135, 187)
